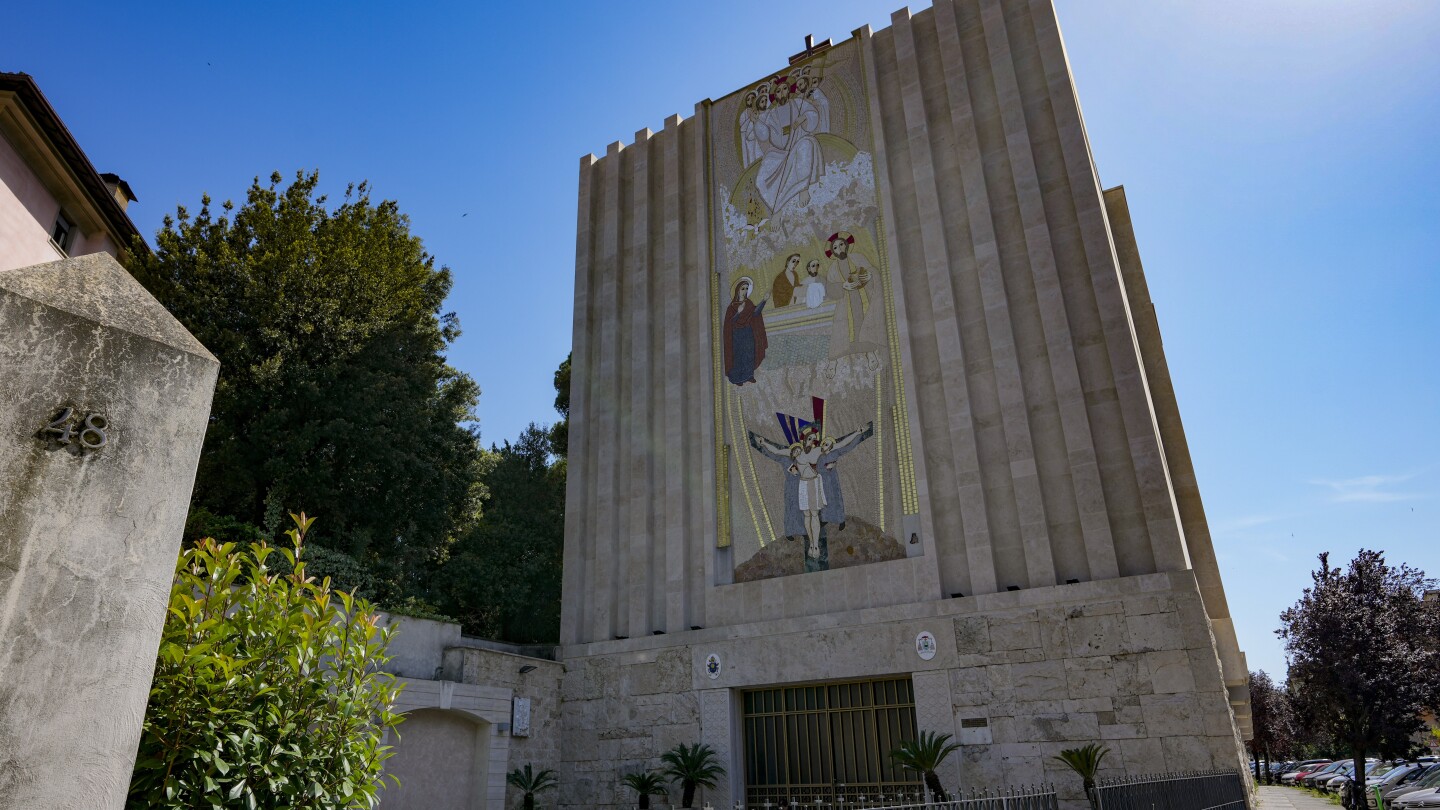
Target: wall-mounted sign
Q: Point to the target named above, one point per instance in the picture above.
(712, 666)
(520, 717)
(925, 645)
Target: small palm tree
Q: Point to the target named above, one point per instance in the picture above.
(647, 784)
(531, 783)
(692, 766)
(1086, 762)
(924, 756)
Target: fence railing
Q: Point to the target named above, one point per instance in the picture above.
(1040, 797)
(1195, 790)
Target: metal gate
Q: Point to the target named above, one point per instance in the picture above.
(828, 741)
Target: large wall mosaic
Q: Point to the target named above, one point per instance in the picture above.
(813, 440)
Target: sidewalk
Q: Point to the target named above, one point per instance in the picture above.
(1274, 797)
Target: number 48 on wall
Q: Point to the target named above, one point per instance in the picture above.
(89, 432)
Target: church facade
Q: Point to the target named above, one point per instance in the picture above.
(872, 433)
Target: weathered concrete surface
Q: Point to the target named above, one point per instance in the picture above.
(88, 537)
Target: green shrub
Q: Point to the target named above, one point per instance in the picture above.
(267, 691)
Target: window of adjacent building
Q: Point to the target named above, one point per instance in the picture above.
(63, 234)
(827, 741)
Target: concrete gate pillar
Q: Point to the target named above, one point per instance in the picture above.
(104, 399)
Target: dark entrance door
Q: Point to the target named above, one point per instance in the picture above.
(827, 740)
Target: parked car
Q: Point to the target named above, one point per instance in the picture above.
(1400, 777)
(1303, 769)
(1429, 780)
(1309, 779)
(1416, 799)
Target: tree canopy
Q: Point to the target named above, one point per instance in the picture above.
(502, 579)
(334, 392)
(1363, 654)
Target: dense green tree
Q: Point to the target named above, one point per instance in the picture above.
(1364, 662)
(334, 391)
(1272, 720)
(502, 579)
(560, 431)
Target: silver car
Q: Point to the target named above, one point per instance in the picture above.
(1392, 778)
(1429, 780)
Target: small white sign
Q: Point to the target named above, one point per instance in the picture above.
(712, 666)
(925, 645)
(520, 717)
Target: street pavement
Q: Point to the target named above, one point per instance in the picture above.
(1274, 797)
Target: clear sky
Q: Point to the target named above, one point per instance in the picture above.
(1280, 158)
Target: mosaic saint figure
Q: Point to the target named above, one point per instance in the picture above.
(749, 114)
(787, 459)
(831, 450)
(809, 87)
(814, 285)
(744, 334)
(781, 133)
(783, 291)
(859, 324)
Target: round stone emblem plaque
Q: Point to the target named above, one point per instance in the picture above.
(925, 645)
(712, 665)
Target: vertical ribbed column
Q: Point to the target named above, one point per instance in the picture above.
(579, 532)
(935, 264)
(636, 449)
(679, 448)
(1010, 460)
(1081, 476)
(950, 574)
(607, 418)
(1158, 511)
(700, 415)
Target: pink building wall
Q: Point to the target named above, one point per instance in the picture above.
(27, 215)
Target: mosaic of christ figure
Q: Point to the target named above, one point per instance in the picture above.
(778, 128)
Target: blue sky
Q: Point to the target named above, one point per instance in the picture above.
(1279, 156)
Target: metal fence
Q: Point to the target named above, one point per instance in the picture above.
(1022, 798)
(1196, 790)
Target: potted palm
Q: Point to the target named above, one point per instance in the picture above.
(924, 756)
(645, 783)
(692, 766)
(529, 782)
(1085, 762)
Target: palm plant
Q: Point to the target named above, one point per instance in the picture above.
(924, 756)
(1086, 762)
(530, 783)
(647, 784)
(692, 766)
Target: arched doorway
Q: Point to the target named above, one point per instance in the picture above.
(442, 760)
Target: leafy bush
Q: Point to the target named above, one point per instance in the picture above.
(267, 691)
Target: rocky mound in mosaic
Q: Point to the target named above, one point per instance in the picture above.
(858, 543)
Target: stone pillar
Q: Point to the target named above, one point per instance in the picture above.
(717, 731)
(935, 712)
(104, 399)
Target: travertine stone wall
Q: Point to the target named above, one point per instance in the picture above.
(88, 535)
(1127, 662)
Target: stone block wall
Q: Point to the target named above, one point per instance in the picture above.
(1129, 663)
